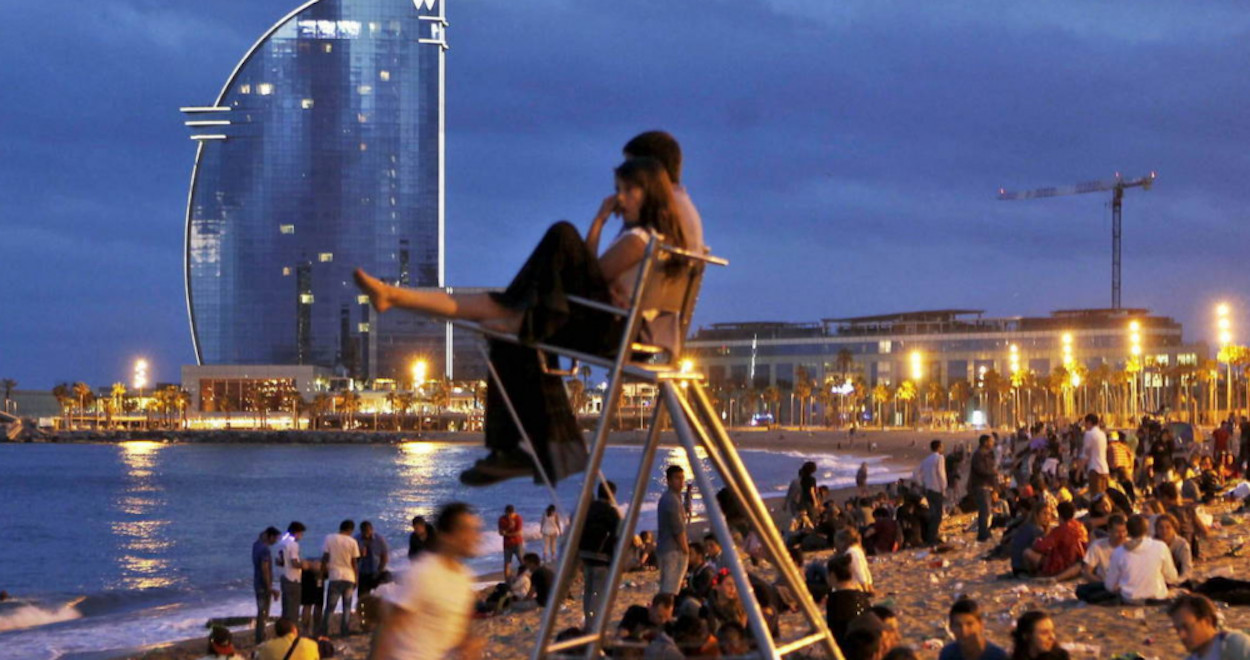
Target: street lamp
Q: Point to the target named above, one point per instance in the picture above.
(1225, 327)
(419, 370)
(140, 378)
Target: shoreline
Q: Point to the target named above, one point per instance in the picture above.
(897, 451)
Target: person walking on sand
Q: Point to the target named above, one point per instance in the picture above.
(262, 578)
(933, 480)
(982, 478)
(861, 479)
(430, 616)
(551, 530)
(340, 554)
(287, 558)
(510, 528)
(672, 545)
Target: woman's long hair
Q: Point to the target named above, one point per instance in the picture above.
(659, 211)
(1023, 633)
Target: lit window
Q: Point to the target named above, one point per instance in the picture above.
(306, 298)
(286, 271)
(286, 229)
(362, 299)
(306, 104)
(384, 75)
(325, 257)
(364, 147)
(264, 89)
(329, 48)
(362, 118)
(362, 327)
(374, 26)
(365, 90)
(245, 89)
(392, 201)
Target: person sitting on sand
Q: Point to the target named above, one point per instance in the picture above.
(862, 644)
(220, 645)
(846, 541)
(535, 306)
(846, 601)
(732, 640)
(1166, 531)
(968, 627)
(1062, 548)
(1140, 569)
(1097, 559)
(1023, 538)
(287, 644)
(1034, 638)
(883, 535)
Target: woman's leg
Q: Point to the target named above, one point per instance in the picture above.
(468, 306)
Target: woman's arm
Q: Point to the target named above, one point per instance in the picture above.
(606, 209)
(625, 253)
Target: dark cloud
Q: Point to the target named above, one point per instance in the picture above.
(846, 155)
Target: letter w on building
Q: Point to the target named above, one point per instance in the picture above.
(427, 4)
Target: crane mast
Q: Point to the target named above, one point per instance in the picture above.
(1117, 187)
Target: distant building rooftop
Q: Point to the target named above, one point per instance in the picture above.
(941, 321)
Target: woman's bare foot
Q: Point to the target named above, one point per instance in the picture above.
(373, 287)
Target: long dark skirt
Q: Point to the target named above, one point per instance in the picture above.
(560, 266)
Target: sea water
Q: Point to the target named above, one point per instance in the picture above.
(115, 546)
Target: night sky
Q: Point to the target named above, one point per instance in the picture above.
(845, 155)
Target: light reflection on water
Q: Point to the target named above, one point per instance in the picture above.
(140, 527)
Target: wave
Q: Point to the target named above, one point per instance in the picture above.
(28, 615)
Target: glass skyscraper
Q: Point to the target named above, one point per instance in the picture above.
(322, 153)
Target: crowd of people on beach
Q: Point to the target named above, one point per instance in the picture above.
(1121, 515)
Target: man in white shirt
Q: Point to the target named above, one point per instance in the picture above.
(933, 479)
(340, 552)
(287, 558)
(1140, 569)
(1094, 454)
(430, 616)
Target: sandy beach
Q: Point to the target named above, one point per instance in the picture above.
(919, 586)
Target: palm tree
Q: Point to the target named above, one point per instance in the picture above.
(349, 405)
(960, 392)
(825, 398)
(320, 406)
(802, 389)
(844, 362)
(935, 394)
(404, 403)
(906, 393)
(881, 394)
(295, 401)
(772, 397)
(81, 392)
(65, 399)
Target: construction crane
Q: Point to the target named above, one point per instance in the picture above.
(1116, 186)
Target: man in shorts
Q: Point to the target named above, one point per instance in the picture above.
(510, 526)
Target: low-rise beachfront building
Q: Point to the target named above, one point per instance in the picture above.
(943, 347)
